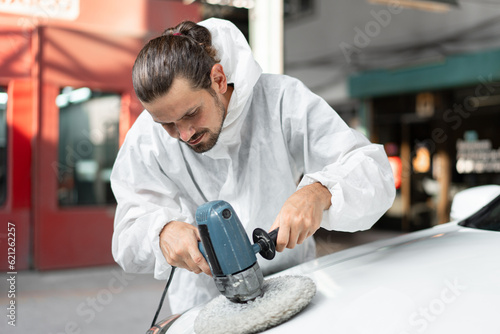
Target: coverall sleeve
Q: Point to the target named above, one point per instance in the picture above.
(146, 202)
(356, 172)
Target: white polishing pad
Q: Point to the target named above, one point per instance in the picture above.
(283, 297)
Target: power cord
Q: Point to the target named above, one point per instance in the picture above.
(163, 295)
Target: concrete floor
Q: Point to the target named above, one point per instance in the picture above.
(89, 300)
(104, 300)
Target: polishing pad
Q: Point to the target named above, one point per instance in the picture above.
(284, 296)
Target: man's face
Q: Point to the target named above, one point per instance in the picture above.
(195, 117)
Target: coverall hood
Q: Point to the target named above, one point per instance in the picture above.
(239, 66)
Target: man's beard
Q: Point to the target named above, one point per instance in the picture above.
(212, 136)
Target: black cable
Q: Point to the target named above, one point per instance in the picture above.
(163, 296)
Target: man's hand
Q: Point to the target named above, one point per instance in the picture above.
(179, 244)
(301, 215)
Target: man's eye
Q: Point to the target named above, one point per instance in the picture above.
(193, 113)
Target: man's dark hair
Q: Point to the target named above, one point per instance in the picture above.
(184, 51)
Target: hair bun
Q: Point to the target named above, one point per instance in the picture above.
(166, 57)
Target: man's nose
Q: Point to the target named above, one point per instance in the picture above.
(186, 131)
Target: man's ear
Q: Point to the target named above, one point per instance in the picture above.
(219, 80)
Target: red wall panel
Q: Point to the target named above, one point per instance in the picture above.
(18, 204)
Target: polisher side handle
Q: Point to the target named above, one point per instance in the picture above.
(266, 242)
(274, 235)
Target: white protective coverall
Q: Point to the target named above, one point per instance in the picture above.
(276, 130)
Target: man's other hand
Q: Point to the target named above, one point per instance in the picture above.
(301, 215)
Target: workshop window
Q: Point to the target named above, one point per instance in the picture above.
(3, 144)
(88, 145)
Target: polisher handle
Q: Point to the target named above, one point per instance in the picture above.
(274, 235)
(266, 242)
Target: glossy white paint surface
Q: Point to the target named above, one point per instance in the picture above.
(441, 280)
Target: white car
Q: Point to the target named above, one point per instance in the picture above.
(444, 279)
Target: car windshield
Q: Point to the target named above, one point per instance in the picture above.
(488, 218)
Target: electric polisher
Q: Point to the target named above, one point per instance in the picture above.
(248, 304)
(229, 253)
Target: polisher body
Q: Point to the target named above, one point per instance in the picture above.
(229, 253)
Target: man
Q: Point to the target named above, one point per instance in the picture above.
(216, 128)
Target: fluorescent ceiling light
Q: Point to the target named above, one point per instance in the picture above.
(70, 95)
(62, 100)
(3, 98)
(440, 6)
(80, 95)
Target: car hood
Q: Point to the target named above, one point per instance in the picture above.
(441, 280)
